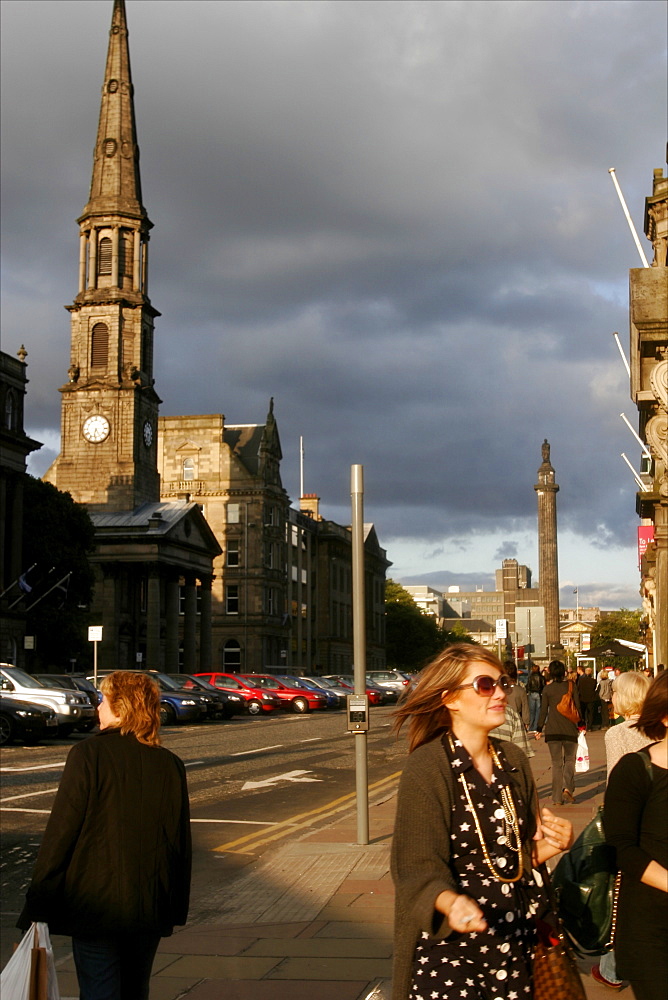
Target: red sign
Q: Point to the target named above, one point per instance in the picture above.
(645, 536)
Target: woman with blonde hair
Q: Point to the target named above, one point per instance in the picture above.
(467, 837)
(113, 870)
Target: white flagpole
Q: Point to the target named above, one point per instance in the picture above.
(612, 173)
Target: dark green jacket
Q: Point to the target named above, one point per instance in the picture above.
(421, 846)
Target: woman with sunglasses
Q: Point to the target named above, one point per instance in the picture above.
(466, 840)
(561, 735)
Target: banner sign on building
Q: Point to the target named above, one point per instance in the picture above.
(645, 536)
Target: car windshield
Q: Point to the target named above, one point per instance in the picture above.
(168, 682)
(265, 682)
(229, 682)
(55, 681)
(21, 677)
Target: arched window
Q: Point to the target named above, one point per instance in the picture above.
(99, 346)
(104, 256)
(10, 411)
(231, 657)
(188, 469)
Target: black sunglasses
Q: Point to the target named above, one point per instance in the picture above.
(485, 685)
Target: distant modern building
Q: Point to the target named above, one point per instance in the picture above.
(513, 590)
(429, 601)
(15, 446)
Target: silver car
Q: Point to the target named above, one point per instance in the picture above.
(71, 707)
(391, 680)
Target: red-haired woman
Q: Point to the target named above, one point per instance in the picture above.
(467, 837)
(635, 819)
(113, 870)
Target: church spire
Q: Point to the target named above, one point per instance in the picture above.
(116, 185)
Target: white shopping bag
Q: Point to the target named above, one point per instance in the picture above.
(22, 978)
(582, 758)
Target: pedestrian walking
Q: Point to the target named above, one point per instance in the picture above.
(604, 692)
(561, 734)
(588, 698)
(634, 817)
(534, 688)
(113, 869)
(465, 842)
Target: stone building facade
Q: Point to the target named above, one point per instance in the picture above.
(15, 446)
(281, 592)
(648, 320)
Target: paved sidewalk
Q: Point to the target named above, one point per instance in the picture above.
(313, 916)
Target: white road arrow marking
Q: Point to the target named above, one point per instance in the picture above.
(288, 776)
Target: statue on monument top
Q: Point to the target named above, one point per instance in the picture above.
(545, 450)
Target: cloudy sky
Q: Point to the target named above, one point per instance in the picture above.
(393, 217)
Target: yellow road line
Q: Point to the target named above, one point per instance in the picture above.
(302, 820)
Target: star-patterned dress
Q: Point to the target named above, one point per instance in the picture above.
(494, 964)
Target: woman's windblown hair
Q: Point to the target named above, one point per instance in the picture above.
(135, 698)
(422, 707)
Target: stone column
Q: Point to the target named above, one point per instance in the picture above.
(153, 657)
(172, 624)
(205, 652)
(83, 249)
(548, 571)
(136, 262)
(92, 259)
(108, 649)
(190, 626)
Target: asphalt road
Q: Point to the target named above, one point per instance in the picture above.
(252, 781)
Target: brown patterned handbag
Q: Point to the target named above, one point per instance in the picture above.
(555, 974)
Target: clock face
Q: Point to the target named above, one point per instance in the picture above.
(96, 428)
(148, 433)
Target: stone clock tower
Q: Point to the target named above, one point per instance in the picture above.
(109, 411)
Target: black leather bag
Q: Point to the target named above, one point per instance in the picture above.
(584, 887)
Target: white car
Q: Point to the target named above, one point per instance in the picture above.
(71, 707)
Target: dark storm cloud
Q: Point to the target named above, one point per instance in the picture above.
(395, 218)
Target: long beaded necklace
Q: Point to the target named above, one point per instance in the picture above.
(510, 823)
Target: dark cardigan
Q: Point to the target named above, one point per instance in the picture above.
(115, 856)
(421, 846)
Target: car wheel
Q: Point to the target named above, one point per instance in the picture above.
(254, 707)
(300, 705)
(6, 730)
(167, 715)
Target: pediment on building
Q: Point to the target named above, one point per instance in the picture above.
(188, 446)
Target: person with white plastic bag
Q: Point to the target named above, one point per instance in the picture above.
(30, 974)
(561, 733)
(582, 754)
(113, 869)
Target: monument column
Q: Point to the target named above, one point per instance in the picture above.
(548, 572)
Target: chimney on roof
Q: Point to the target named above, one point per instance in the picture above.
(309, 504)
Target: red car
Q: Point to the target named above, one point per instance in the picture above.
(257, 700)
(297, 699)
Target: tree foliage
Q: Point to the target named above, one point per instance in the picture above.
(412, 637)
(622, 624)
(57, 536)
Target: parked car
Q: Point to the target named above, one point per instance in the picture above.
(391, 680)
(327, 684)
(71, 707)
(169, 683)
(292, 698)
(175, 706)
(255, 698)
(25, 722)
(227, 704)
(68, 682)
(375, 694)
(332, 699)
